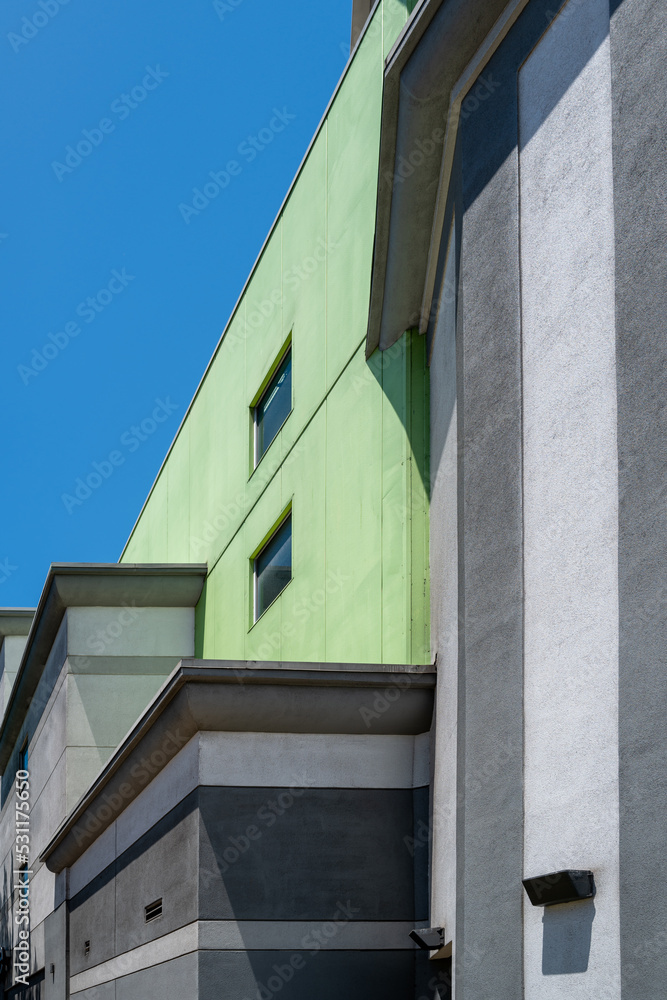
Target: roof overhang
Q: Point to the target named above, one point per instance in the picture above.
(15, 621)
(240, 696)
(428, 73)
(90, 585)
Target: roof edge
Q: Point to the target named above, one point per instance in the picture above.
(306, 697)
(90, 585)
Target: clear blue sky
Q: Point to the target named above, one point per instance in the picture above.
(167, 94)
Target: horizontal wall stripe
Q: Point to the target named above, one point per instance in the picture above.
(292, 935)
(259, 760)
(163, 949)
(273, 760)
(252, 935)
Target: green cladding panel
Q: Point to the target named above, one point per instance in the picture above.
(351, 459)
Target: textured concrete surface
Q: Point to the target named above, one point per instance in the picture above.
(445, 565)
(314, 760)
(639, 97)
(488, 948)
(110, 910)
(325, 975)
(341, 843)
(570, 500)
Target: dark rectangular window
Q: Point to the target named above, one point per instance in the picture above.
(274, 406)
(23, 756)
(273, 567)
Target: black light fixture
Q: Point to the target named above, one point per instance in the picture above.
(560, 887)
(429, 938)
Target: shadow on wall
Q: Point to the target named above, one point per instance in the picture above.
(500, 111)
(402, 373)
(566, 940)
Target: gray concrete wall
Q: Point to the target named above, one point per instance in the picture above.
(444, 562)
(109, 912)
(570, 489)
(105, 666)
(534, 407)
(271, 854)
(488, 946)
(11, 651)
(247, 871)
(302, 975)
(639, 98)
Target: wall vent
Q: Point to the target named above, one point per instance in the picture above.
(153, 910)
(86, 947)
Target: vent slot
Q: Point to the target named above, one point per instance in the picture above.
(86, 947)
(153, 910)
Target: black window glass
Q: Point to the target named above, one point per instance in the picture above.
(273, 567)
(274, 407)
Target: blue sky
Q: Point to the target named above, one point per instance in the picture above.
(114, 292)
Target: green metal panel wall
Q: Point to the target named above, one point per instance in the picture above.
(352, 458)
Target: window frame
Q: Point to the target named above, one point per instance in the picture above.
(284, 353)
(254, 577)
(23, 755)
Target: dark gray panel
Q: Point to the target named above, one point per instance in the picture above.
(326, 975)
(433, 977)
(93, 918)
(176, 980)
(163, 863)
(639, 135)
(55, 951)
(109, 912)
(326, 846)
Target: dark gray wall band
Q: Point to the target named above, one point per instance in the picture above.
(269, 854)
(326, 975)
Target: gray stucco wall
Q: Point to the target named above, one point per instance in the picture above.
(639, 99)
(488, 947)
(109, 912)
(489, 957)
(325, 975)
(308, 850)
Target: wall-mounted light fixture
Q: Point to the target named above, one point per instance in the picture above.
(560, 887)
(429, 938)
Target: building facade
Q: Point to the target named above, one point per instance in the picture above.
(387, 638)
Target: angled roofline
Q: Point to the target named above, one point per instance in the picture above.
(243, 696)
(254, 267)
(90, 585)
(15, 621)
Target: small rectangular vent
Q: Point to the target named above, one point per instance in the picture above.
(153, 910)
(86, 947)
